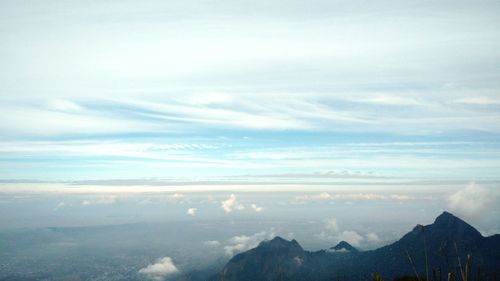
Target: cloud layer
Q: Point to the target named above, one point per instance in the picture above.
(233, 88)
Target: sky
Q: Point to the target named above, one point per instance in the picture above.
(224, 123)
(250, 91)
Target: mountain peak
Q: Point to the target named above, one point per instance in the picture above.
(448, 220)
(267, 261)
(445, 216)
(278, 240)
(343, 246)
(281, 243)
(455, 226)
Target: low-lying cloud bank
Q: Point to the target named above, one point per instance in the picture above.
(353, 196)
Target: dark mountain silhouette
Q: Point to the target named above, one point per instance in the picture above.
(343, 246)
(442, 244)
(273, 258)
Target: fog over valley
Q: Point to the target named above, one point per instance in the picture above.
(118, 234)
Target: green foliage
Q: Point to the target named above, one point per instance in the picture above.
(377, 277)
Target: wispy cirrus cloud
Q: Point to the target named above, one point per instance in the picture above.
(248, 81)
(480, 100)
(319, 112)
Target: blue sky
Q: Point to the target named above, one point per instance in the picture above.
(334, 120)
(252, 91)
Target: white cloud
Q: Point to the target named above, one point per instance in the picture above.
(174, 152)
(83, 86)
(175, 197)
(400, 197)
(241, 117)
(372, 237)
(242, 243)
(471, 201)
(104, 199)
(331, 225)
(324, 196)
(212, 243)
(159, 270)
(65, 118)
(256, 208)
(392, 101)
(209, 99)
(479, 101)
(63, 105)
(343, 250)
(333, 233)
(61, 205)
(350, 236)
(192, 211)
(238, 54)
(298, 261)
(231, 204)
(353, 196)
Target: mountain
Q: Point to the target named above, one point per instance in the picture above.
(343, 246)
(445, 244)
(273, 258)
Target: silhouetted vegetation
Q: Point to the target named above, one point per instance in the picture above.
(409, 278)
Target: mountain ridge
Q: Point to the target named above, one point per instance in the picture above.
(440, 243)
